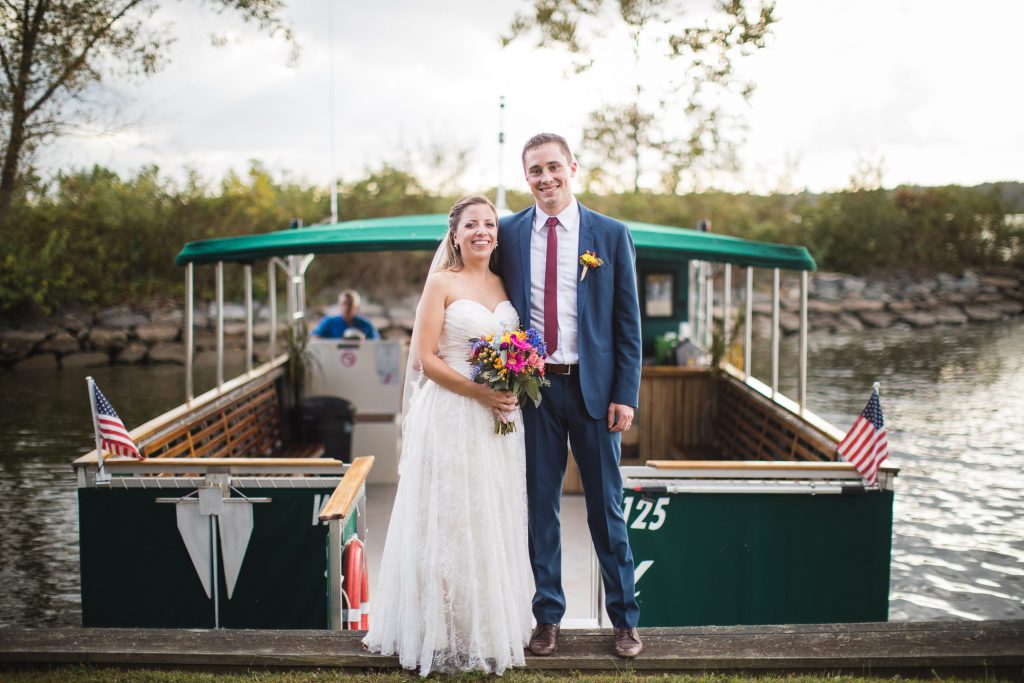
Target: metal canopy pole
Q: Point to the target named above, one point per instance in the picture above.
(272, 295)
(775, 331)
(727, 304)
(691, 300)
(801, 391)
(248, 317)
(709, 304)
(220, 323)
(748, 323)
(189, 331)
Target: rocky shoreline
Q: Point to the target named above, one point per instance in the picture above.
(837, 303)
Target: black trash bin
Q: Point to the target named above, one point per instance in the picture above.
(328, 420)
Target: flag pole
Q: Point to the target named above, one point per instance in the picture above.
(101, 477)
(877, 388)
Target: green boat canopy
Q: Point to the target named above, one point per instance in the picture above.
(412, 233)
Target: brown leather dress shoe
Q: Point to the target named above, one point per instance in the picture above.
(544, 640)
(627, 642)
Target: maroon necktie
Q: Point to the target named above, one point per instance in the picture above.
(551, 288)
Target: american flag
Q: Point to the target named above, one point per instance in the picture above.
(865, 445)
(113, 435)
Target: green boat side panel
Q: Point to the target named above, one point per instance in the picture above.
(730, 559)
(424, 232)
(136, 571)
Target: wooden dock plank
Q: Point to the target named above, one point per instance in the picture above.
(914, 648)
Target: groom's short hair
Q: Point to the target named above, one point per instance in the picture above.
(543, 139)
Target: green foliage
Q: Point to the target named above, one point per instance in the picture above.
(93, 238)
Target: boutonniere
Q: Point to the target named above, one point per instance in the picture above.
(590, 260)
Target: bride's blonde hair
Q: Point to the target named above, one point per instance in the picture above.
(452, 258)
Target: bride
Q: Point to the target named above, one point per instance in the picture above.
(455, 582)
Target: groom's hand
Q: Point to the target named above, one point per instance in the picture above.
(620, 417)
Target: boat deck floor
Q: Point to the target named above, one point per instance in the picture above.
(919, 649)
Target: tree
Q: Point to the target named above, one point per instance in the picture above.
(670, 125)
(52, 51)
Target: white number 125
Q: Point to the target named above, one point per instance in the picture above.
(644, 508)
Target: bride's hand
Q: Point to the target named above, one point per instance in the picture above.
(498, 401)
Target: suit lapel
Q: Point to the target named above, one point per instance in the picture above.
(525, 234)
(586, 244)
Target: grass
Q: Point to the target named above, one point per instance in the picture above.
(91, 674)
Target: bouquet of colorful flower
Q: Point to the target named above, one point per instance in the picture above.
(512, 360)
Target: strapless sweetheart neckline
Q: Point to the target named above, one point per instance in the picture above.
(496, 307)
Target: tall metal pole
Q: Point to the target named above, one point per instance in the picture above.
(748, 323)
(220, 323)
(709, 305)
(775, 331)
(189, 332)
(801, 391)
(248, 317)
(501, 155)
(272, 296)
(727, 305)
(330, 112)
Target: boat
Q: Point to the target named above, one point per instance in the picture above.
(738, 509)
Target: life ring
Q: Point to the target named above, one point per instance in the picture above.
(356, 586)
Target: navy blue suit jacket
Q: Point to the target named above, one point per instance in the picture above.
(607, 308)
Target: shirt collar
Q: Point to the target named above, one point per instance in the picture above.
(569, 218)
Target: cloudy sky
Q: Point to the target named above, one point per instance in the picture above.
(929, 89)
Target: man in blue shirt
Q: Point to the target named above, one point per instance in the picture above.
(350, 322)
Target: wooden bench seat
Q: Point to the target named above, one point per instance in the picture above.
(243, 424)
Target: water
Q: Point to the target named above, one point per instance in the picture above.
(954, 409)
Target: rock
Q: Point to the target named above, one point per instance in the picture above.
(949, 315)
(821, 321)
(878, 319)
(918, 318)
(234, 329)
(828, 307)
(987, 297)
(370, 310)
(17, 344)
(1000, 281)
(982, 313)
(847, 322)
(762, 327)
(232, 311)
(167, 316)
(863, 305)
(107, 340)
(135, 352)
(167, 352)
(946, 282)
(42, 361)
(61, 342)
(901, 306)
(874, 290)
(956, 298)
(154, 333)
(1008, 306)
(76, 321)
(789, 323)
(84, 359)
(762, 308)
(121, 317)
(826, 289)
(918, 292)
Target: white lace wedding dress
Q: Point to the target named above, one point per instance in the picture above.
(455, 582)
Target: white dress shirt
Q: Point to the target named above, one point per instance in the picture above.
(568, 231)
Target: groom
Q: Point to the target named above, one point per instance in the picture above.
(589, 317)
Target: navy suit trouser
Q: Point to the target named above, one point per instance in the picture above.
(561, 417)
